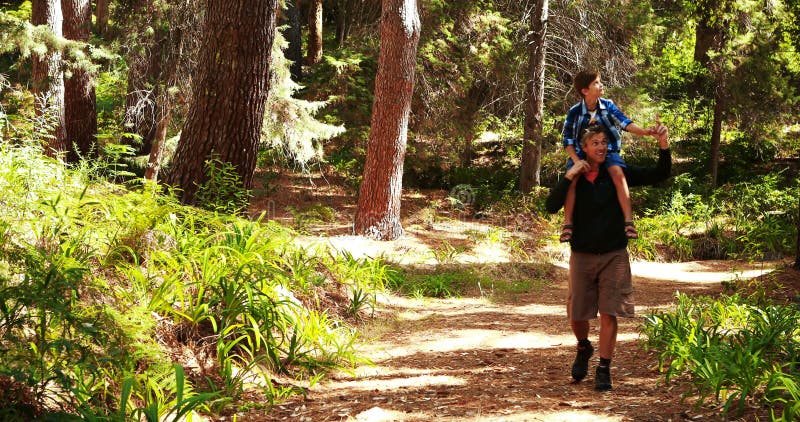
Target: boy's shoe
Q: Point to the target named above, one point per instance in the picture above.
(602, 378)
(581, 365)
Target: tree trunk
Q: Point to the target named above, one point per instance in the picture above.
(157, 150)
(473, 102)
(797, 257)
(101, 13)
(80, 116)
(378, 212)
(293, 35)
(48, 78)
(344, 11)
(229, 93)
(704, 40)
(711, 32)
(144, 72)
(314, 32)
(716, 137)
(534, 105)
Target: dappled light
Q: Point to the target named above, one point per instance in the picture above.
(697, 271)
(474, 359)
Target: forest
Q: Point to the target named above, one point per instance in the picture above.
(185, 185)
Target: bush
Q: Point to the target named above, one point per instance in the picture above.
(734, 349)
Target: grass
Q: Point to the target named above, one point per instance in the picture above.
(498, 282)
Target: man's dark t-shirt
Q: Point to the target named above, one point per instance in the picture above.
(598, 222)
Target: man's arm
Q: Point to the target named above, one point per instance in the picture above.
(638, 176)
(558, 193)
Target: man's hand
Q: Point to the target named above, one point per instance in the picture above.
(662, 135)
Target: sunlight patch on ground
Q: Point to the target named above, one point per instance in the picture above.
(529, 310)
(691, 272)
(474, 339)
(378, 414)
(694, 272)
(411, 249)
(536, 309)
(424, 307)
(434, 305)
(404, 251)
(393, 384)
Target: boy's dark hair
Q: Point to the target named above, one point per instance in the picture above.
(583, 79)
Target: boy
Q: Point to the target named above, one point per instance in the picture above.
(592, 108)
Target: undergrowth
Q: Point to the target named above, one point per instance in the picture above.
(737, 351)
(118, 303)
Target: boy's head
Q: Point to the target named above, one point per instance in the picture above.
(583, 79)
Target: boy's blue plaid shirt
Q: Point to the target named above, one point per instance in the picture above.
(578, 117)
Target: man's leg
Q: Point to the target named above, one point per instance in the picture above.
(580, 329)
(581, 364)
(608, 335)
(608, 342)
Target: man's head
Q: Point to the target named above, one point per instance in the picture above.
(583, 80)
(594, 143)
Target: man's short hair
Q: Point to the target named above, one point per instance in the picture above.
(590, 130)
(583, 79)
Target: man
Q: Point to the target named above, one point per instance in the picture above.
(599, 268)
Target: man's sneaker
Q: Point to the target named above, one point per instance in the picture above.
(602, 378)
(581, 365)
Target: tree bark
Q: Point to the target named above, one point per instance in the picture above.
(48, 78)
(704, 40)
(142, 109)
(102, 12)
(80, 115)
(797, 257)
(534, 105)
(711, 33)
(473, 102)
(293, 35)
(378, 211)
(157, 150)
(229, 93)
(716, 137)
(314, 32)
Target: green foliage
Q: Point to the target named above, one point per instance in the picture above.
(289, 123)
(98, 283)
(223, 190)
(754, 219)
(312, 214)
(161, 398)
(735, 350)
(442, 284)
(494, 282)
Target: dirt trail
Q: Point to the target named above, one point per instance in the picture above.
(474, 360)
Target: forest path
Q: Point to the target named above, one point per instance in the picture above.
(471, 359)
